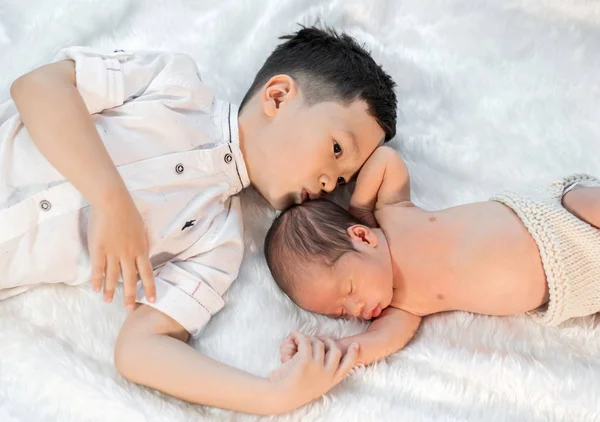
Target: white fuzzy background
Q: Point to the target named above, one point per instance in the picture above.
(492, 94)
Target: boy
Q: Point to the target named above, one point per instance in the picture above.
(537, 253)
(130, 155)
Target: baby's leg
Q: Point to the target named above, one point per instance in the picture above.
(584, 203)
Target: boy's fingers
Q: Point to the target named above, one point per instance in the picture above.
(334, 354)
(129, 283)
(98, 265)
(304, 345)
(147, 275)
(112, 277)
(327, 342)
(318, 350)
(348, 362)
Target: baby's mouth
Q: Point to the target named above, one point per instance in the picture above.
(376, 312)
(373, 313)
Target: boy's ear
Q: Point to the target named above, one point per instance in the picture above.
(362, 234)
(277, 92)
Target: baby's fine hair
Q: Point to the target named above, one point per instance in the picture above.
(328, 66)
(314, 232)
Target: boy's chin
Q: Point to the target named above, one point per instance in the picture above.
(281, 203)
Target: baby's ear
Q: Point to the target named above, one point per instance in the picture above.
(363, 235)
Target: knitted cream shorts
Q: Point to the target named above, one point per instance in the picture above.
(569, 248)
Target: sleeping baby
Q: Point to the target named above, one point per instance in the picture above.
(391, 262)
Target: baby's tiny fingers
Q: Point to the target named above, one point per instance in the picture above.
(286, 356)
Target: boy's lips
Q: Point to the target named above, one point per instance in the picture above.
(306, 195)
(303, 196)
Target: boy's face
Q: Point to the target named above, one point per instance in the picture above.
(306, 151)
(359, 284)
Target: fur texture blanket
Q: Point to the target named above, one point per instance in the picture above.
(492, 94)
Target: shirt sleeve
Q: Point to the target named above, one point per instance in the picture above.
(108, 80)
(191, 291)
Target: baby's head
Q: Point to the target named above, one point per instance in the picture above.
(327, 262)
(317, 109)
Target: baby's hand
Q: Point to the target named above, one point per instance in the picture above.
(288, 349)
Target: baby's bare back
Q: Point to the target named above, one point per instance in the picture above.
(478, 258)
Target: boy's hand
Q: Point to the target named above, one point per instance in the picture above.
(117, 243)
(314, 369)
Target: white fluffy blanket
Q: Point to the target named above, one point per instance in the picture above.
(493, 93)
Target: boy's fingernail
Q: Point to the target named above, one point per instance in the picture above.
(96, 288)
(130, 306)
(354, 346)
(151, 299)
(108, 299)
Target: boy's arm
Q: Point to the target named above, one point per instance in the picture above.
(60, 125)
(382, 180)
(150, 350)
(387, 334)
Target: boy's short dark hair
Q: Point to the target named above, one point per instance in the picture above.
(307, 233)
(332, 67)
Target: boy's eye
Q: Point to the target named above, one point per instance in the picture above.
(341, 181)
(337, 149)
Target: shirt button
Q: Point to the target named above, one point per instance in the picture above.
(179, 168)
(45, 205)
(228, 157)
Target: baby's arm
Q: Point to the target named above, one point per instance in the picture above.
(387, 334)
(382, 180)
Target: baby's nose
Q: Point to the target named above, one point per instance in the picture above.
(357, 309)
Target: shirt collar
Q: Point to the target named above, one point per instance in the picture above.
(227, 113)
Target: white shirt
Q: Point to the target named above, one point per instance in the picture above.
(177, 150)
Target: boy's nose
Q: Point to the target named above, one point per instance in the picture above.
(327, 183)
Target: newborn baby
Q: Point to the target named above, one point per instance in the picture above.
(391, 262)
